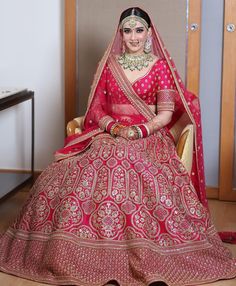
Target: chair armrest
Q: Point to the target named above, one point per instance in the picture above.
(184, 147)
(75, 126)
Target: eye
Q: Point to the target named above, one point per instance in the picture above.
(140, 30)
(126, 30)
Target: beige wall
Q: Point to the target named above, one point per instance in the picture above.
(97, 21)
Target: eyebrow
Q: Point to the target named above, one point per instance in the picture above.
(134, 28)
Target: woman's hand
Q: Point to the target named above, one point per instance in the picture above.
(129, 133)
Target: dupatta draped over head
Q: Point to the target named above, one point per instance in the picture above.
(187, 110)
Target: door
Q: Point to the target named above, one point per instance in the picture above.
(227, 179)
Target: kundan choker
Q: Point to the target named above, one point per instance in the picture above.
(135, 62)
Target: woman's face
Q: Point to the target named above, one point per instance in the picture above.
(134, 37)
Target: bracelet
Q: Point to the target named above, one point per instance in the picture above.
(148, 130)
(150, 127)
(109, 126)
(145, 130)
(139, 131)
(115, 129)
(142, 131)
(105, 121)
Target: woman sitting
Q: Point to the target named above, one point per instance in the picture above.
(118, 204)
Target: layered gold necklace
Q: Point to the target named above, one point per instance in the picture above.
(135, 62)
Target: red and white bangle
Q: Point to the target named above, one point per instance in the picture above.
(105, 121)
(142, 130)
(145, 130)
(109, 126)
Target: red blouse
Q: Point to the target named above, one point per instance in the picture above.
(156, 87)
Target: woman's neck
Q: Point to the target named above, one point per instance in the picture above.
(138, 53)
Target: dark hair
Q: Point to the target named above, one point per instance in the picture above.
(137, 12)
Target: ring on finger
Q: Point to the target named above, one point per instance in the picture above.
(131, 134)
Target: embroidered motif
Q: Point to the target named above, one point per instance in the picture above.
(134, 187)
(128, 207)
(88, 207)
(118, 190)
(143, 222)
(84, 232)
(160, 213)
(67, 213)
(101, 187)
(166, 240)
(108, 220)
(85, 184)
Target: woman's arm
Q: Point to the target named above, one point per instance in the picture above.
(161, 120)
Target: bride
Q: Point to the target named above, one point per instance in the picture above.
(118, 204)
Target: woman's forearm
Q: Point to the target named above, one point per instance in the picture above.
(161, 120)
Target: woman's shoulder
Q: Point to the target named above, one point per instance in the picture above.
(160, 62)
(161, 65)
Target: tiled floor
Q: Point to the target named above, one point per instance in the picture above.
(223, 214)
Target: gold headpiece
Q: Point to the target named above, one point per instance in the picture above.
(132, 19)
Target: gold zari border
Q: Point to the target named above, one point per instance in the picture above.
(110, 244)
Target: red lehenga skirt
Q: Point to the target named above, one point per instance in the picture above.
(121, 210)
